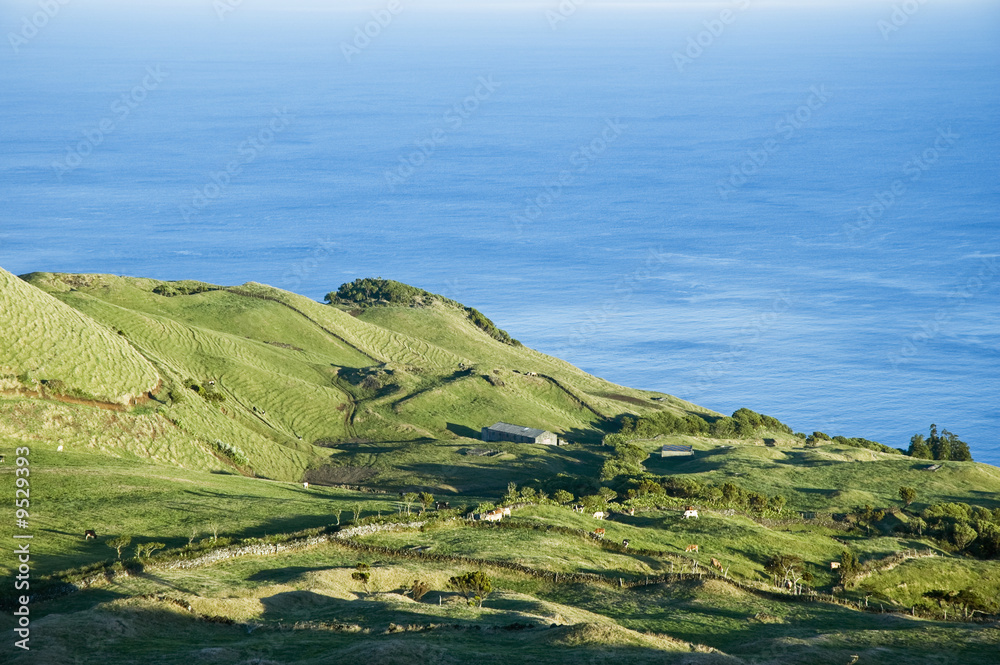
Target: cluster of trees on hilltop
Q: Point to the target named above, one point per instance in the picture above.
(943, 446)
(183, 288)
(744, 423)
(373, 291)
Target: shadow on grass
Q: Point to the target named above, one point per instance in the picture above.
(284, 575)
(462, 430)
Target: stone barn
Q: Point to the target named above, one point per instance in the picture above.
(518, 434)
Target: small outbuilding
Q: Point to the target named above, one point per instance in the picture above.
(676, 450)
(518, 434)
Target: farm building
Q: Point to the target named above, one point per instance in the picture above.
(518, 434)
(676, 450)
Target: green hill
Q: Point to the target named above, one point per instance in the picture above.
(47, 346)
(383, 391)
(299, 385)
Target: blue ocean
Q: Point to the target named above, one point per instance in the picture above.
(791, 208)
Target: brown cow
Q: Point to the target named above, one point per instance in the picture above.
(88, 534)
(691, 548)
(599, 533)
(717, 563)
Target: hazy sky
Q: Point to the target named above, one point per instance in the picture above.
(464, 5)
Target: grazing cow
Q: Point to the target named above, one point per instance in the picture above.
(834, 565)
(305, 485)
(625, 543)
(717, 563)
(599, 533)
(506, 511)
(492, 516)
(599, 515)
(631, 512)
(442, 505)
(89, 533)
(689, 513)
(691, 548)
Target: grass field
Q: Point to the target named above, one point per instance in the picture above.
(830, 478)
(256, 388)
(303, 607)
(45, 341)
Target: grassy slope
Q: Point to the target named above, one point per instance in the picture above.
(293, 359)
(145, 619)
(831, 478)
(50, 341)
(74, 490)
(148, 472)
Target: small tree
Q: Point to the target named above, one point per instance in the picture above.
(119, 543)
(849, 565)
(362, 574)
(963, 534)
(145, 550)
(608, 494)
(409, 498)
(529, 495)
(594, 503)
(907, 495)
(562, 496)
(919, 448)
(484, 507)
(419, 589)
(474, 586)
(790, 567)
(356, 509)
(336, 513)
(426, 500)
(868, 517)
(758, 502)
(214, 528)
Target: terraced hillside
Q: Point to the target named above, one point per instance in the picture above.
(255, 390)
(47, 346)
(301, 387)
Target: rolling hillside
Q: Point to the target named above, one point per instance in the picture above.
(47, 346)
(299, 386)
(187, 415)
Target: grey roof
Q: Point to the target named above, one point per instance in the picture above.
(677, 448)
(517, 429)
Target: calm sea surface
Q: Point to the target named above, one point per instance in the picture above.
(798, 215)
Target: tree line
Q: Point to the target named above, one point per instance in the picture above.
(943, 446)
